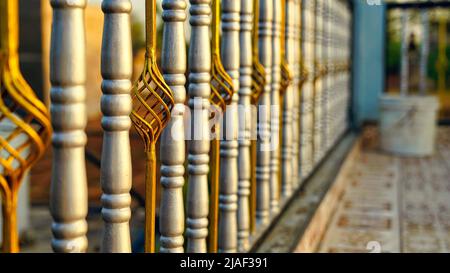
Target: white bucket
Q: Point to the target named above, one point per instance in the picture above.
(408, 124)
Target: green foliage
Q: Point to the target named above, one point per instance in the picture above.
(393, 61)
(393, 57)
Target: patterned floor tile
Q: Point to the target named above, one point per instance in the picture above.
(395, 204)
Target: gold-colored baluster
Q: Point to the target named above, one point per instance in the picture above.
(27, 117)
(304, 73)
(258, 72)
(315, 78)
(152, 104)
(221, 95)
(286, 74)
(286, 80)
(258, 83)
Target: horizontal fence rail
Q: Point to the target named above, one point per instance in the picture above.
(242, 119)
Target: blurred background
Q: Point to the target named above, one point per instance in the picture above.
(437, 71)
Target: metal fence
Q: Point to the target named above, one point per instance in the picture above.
(267, 98)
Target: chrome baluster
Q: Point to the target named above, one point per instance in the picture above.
(306, 134)
(68, 193)
(288, 62)
(297, 74)
(199, 146)
(116, 107)
(229, 145)
(173, 66)
(264, 144)
(276, 108)
(318, 82)
(245, 123)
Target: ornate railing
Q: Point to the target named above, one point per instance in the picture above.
(273, 83)
(24, 124)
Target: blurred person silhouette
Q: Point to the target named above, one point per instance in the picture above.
(414, 62)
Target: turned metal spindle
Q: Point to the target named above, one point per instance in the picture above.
(228, 188)
(296, 88)
(348, 68)
(276, 93)
(222, 92)
(68, 193)
(303, 77)
(24, 121)
(326, 77)
(258, 71)
(341, 73)
(336, 74)
(318, 82)
(199, 146)
(116, 107)
(330, 77)
(264, 144)
(245, 124)
(287, 99)
(306, 134)
(335, 50)
(345, 66)
(173, 66)
(336, 60)
(276, 108)
(338, 89)
(258, 84)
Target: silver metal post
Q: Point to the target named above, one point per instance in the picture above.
(330, 77)
(306, 134)
(68, 193)
(318, 84)
(276, 108)
(173, 65)
(199, 146)
(228, 197)
(264, 144)
(245, 120)
(288, 107)
(326, 77)
(116, 175)
(295, 16)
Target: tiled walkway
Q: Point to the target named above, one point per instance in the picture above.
(394, 204)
